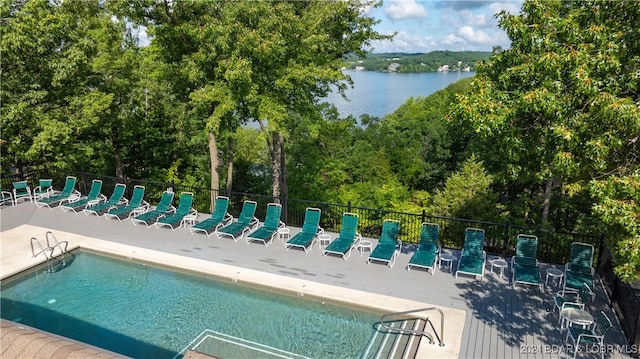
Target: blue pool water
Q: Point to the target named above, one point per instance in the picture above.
(143, 311)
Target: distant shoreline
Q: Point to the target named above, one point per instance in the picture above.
(396, 72)
(437, 61)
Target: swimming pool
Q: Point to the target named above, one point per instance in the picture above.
(144, 311)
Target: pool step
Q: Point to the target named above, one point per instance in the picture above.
(213, 344)
(391, 344)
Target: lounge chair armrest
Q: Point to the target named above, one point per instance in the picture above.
(281, 224)
(567, 292)
(171, 209)
(144, 206)
(123, 201)
(320, 230)
(572, 305)
(193, 212)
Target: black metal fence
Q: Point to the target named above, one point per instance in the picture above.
(553, 246)
(625, 298)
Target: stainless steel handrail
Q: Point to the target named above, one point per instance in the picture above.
(56, 245)
(417, 332)
(42, 251)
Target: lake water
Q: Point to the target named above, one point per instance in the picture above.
(379, 93)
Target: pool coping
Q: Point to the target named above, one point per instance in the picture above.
(16, 257)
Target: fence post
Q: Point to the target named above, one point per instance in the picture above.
(84, 181)
(423, 217)
(349, 207)
(506, 239)
(600, 249)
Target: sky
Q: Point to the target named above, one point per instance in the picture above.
(423, 26)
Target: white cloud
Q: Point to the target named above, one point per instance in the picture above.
(475, 37)
(406, 42)
(513, 7)
(453, 40)
(405, 9)
(473, 19)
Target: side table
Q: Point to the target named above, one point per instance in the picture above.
(448, 261)
(500, 263)
(553, 273)
(283, 233)
(324, 239)
(364, 244)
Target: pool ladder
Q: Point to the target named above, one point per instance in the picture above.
(385, 318)
(49, 250)
(397, 334)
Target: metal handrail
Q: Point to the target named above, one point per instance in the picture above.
(42, 250)
(56, 244)
(418, 332)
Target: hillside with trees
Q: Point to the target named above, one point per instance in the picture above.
(411, 63)
(226, 96)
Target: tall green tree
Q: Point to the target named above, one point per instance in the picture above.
(68, 75)
(562, 105)
(263, 62)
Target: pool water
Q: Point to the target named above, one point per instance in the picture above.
(144, 311)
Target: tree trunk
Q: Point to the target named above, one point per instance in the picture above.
(283, 178)
(118, 162)
(547, 203)
(230, 167)
(275, 157)
(215, 163)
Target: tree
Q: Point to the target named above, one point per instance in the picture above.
(562, 105)
(68, 72)
(466, 194)
(417, 136)
(266, 62)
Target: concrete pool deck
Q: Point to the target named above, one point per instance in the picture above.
(482, 318)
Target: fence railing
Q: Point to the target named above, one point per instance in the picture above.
(625, 299)
(553, 246)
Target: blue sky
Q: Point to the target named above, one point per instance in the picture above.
(424, 26)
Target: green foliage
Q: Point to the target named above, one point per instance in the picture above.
(562, 103)
(467, 194)
(619, 207)
(419, 141)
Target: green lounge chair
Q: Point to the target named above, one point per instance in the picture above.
(428, 249)
(246, 222)
(472, 258)
(94, 197)
(44, 189)
(388, 245)
(218, 218)
(269, 228)
(524, 265)
(5, 196)
(591, 336)
(116, 199)
(347, 239)
(21, 191)
(571, 298)
(310, 230)
(579, 269)
(176, 220)
(163, 208)
(68, 193)
(137, 204)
